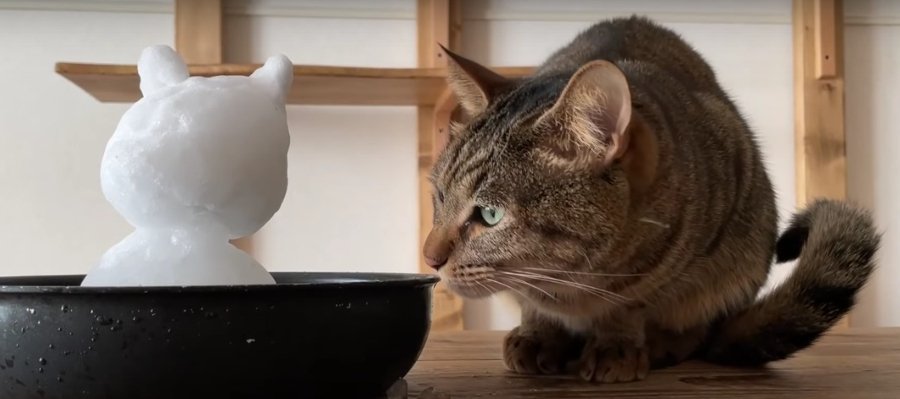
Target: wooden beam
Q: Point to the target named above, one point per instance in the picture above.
(435, 21)
(821, 162)
(819, 102)
(826, 31)
(313, 84)
(438, 21)
(433, 25)
(198, 31)
(444, 109)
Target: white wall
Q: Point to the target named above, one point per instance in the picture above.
(873, 143)
(54, 218)
(352, 200)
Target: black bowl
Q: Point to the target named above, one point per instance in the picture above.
(334, 335)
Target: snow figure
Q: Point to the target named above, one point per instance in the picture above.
(196, 162)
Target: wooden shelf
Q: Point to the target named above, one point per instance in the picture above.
(313, 85)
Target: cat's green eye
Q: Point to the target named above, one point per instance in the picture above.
(490, 215)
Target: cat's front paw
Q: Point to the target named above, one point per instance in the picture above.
(533, 352)
(605, 361)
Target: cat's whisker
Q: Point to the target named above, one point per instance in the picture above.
(523, 282)
(586, 258)
(654, 222)
(574, 283)
(490, 280)
(538, 269)
(486, 289)
(605, 294)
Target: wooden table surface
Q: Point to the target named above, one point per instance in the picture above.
(848, 363)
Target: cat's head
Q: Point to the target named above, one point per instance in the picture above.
(199, 151)
(538, 181)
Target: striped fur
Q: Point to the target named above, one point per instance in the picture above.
(653, 258)
(836, 246)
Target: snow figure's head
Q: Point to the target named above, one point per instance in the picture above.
(199, 153)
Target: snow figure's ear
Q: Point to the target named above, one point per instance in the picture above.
(275, 77)
(159, 67)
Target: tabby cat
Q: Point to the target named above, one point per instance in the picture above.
(619, 194)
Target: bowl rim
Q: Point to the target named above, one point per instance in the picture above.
(38, 284)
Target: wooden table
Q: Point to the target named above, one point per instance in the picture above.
(850, 363)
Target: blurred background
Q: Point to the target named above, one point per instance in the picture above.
(352, 203)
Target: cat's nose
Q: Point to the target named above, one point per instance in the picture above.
(437, 249)
(435, 263)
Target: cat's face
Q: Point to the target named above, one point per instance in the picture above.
(522, 201)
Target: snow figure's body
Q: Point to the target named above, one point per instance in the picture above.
(196, 162)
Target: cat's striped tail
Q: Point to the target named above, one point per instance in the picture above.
(836, 246)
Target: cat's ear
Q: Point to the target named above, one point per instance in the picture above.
(592, 115)
(160, 66)
(475, 86)
(275, 76)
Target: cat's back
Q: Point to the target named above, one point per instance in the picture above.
(635, 39)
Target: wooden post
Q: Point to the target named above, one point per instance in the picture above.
(438, 23)
(198, 31)
(819, 101)
(444, 111)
